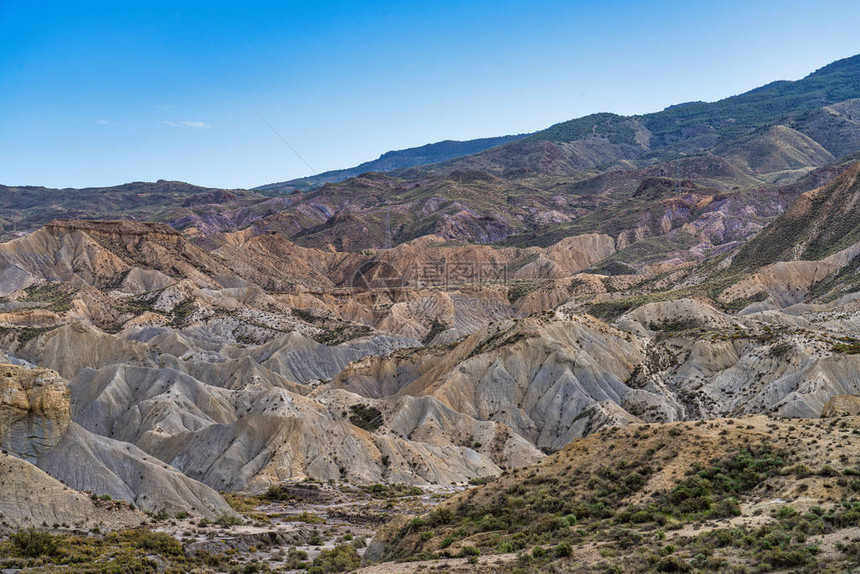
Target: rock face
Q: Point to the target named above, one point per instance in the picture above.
(427, 260)
(34, 410)
(102, 254)
(537, 377)
(238, 421)
(549, 380)
(761, 362)
(86, 461)
(31, 498)
(552, 380)
(257, 435)
(76, 346)
(841, 405)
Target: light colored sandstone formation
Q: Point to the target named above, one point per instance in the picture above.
(31, 498)
(189, 366)
(35, 425)
(841, 405)
(87, 461)
(34, 410)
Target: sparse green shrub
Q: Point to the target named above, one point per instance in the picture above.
(34, 543)
(158, 542)
(672, 564)
(226, 520)
(563, 550)
(341, 558)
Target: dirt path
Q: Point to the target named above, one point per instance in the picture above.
(495, 563)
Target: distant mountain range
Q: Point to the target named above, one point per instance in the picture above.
(411, 157)
(817, 116)
(530, 189)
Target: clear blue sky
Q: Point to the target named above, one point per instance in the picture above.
(100, 93)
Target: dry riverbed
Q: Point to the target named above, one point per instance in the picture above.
(288, 527)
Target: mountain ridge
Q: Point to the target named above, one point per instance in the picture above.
(796, 96)
(395, 159)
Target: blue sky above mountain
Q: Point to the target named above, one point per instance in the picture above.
(100, 93)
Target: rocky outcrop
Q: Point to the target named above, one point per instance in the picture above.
(841, 405)
(34, 410)
(76, 346)
(302, 359)
(721, 365)
(539, 377)
(31, 498)
(103, 253)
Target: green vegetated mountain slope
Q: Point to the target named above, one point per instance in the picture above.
(696, 126)
(821, 222)
(816, 106)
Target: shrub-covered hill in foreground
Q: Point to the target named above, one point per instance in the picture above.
(732, 495)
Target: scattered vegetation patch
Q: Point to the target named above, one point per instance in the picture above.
(743, 302)
(182, 312)
(25, 334)
(365, 417)
(305, 517)
(613, 267)
(612, 309)
(158, 542)
(240, 502)
(341, 558)
(713, 491)
(517, 291)
(137, 304)
(32, 543)
(57, 296)
(133, 550)
(436, 327)
(307, 491)
(392, 490)
(342, 334)
(847, 345)
(545, 516)
(227, 520)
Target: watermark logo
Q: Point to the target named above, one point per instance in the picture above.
(445, 274)
(437, 284)
(377, 276)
